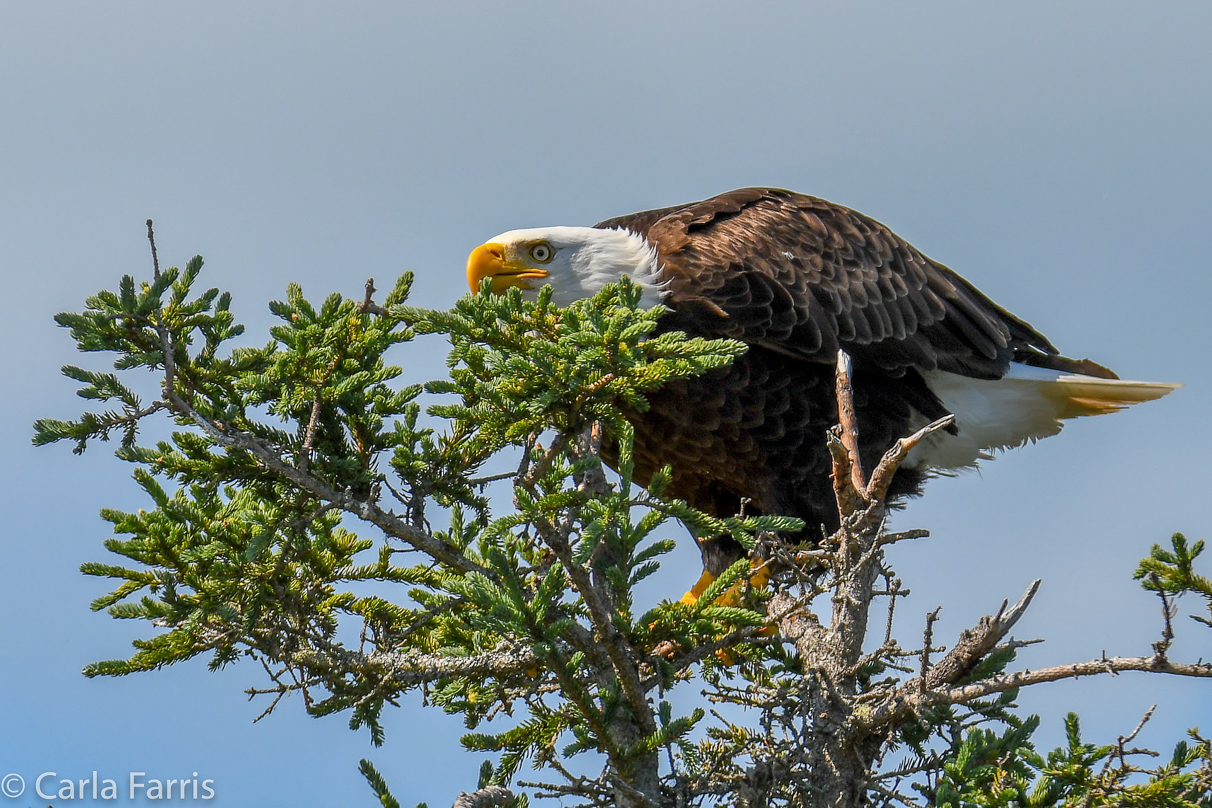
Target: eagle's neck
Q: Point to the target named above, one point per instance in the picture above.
(608, 255)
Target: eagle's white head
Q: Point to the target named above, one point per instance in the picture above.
(576, 261)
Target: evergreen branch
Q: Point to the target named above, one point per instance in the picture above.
(365, 509)
(377, 784)
(620, 655)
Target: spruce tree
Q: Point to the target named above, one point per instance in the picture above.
(297, 471)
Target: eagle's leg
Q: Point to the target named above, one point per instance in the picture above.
(692, 597)
(719, 554)
(759, 578)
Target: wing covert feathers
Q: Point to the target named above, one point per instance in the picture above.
(804, 277)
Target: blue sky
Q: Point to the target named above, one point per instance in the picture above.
(1057, 155)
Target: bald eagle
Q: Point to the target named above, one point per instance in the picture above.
(797, 278)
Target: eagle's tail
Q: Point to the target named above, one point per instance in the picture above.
(1025, 405)
(1079, 395)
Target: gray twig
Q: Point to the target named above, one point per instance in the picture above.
(151, 236)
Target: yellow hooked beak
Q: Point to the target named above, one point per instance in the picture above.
(491, 261)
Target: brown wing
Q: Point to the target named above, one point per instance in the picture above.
(805, 277)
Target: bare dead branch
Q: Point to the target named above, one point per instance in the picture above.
(881, 478)
(927, 642)
(1009, 681)
(278, 692)
(846, 418)
(1163, 645)
(1124, 739)
(413, 668)
(904, 535)
(907, 702)
(309, 437)
(849, 499)
(893, 588)
(151, 237)
(631, 792)
(492, 478)
(368, 304)
(491, 795)
(975, 644)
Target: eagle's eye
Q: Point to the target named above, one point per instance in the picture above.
(542, 252)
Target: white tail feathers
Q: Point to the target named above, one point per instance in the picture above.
(1080, 395)
(1026, 404)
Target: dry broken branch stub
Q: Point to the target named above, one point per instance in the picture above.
(847, 422)
(483, 798)
(369, 306)
(881, 478)
(975, 644)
